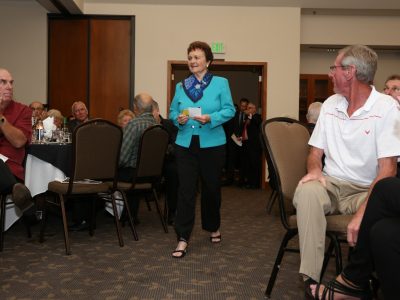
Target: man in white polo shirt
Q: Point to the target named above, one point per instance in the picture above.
(358, 131)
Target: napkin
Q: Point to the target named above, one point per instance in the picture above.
(48, 125)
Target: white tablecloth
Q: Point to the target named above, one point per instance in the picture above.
(38, 174)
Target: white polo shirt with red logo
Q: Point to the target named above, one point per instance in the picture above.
(352, 145)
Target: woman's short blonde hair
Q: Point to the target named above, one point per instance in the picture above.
(56, 114)
(123, 113)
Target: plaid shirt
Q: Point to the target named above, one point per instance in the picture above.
(130, 141)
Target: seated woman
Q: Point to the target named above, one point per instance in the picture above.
(57, 117)
(124, 117)
(377, 248)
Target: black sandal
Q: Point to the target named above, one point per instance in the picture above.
(182, 252)
(349, 289)
(216, 239)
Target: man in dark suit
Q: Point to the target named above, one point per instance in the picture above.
(234, 128)
(252, 147)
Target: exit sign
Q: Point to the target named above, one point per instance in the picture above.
(217, 47)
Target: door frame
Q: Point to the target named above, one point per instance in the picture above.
(227, 66)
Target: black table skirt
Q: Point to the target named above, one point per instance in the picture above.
(58, 155)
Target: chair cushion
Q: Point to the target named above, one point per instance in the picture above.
(124, 186)
(335, 223)
(79, 188)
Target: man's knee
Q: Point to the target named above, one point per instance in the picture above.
(310, 193)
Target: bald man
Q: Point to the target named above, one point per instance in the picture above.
(143, 109)
(15, 133)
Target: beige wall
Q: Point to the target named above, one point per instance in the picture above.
(347, 30)
(250, 34)
(253, 34)
(23, 48)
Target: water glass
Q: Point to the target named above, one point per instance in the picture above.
(67, 137)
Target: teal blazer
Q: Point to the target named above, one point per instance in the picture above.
(216, 102)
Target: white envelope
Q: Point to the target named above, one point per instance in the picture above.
(194, 112)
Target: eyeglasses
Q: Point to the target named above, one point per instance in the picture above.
(333, 68)
(392, 89)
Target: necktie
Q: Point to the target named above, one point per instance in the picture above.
(244, 133)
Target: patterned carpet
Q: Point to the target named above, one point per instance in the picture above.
(238, 268)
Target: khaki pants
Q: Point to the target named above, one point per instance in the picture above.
(313, 201)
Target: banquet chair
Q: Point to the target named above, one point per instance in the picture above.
(286, 142)
(148, 172)
(95, 155)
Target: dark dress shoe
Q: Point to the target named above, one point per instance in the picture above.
(171, 221)
(251, 187)
(22, 197)
(79, 226)
(227, 182)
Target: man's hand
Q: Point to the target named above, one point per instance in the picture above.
(353, 228)
(314, 167)
(314, 176)
(203, 119)
(182, 119)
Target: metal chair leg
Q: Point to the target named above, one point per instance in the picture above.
(65, 225)
(127, 213)
(117, 223)
(271, 201)
(288, 236)
(327, 256)
(164, 224)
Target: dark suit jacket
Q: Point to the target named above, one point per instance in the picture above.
(253, 133)
(238, 123)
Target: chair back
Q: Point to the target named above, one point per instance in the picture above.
(286, 141)
(96, 147)
(151, 154)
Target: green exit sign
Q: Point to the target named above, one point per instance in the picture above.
(217, 47)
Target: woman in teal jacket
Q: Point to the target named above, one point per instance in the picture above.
(202, 103)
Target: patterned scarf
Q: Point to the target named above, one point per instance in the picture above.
(194, 88)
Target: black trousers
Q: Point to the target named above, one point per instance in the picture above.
(7, 179)
(252, 166)
(207, 163)
(170, 173)
(378, 244)
(235, 158)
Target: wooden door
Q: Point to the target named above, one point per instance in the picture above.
(313, 87)
(91, 59)
(109, 86)
(67, 63)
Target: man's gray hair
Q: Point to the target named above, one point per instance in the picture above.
(364, 59)
(313, 112)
